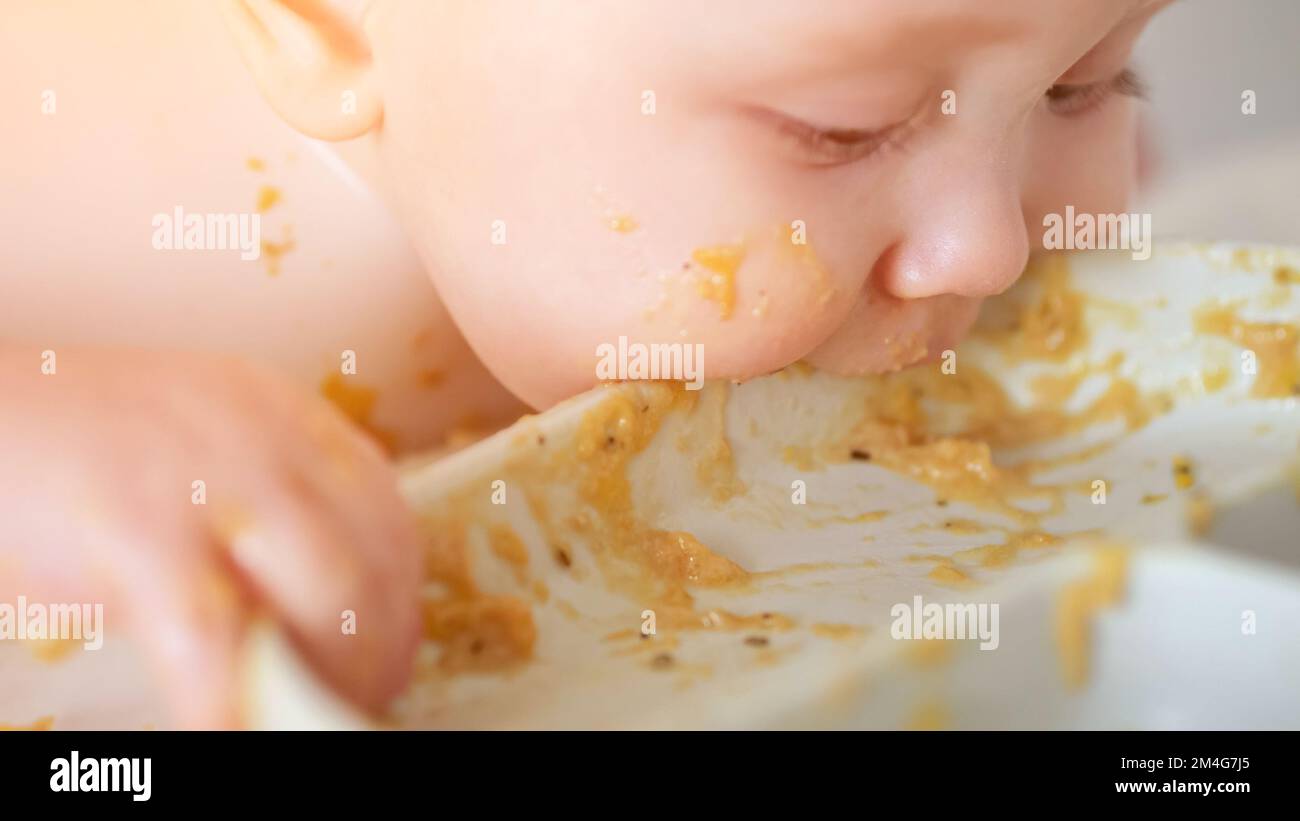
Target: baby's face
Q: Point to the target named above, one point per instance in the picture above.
(573, 172)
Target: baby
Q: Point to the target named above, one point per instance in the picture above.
(839, 182)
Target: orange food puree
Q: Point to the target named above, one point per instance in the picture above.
(896, 432)
(1078, 603)
(1051, 327)
(651, 566)
(477, 631)
(719, 283)
(1275, 345)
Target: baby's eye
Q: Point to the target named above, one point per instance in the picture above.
(1072, 100)
(828, 146)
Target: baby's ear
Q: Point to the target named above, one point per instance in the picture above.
(312, 63)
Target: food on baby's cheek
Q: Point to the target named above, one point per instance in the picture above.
(273, 252)
(717, 281)
(622, 224)
(267, 197)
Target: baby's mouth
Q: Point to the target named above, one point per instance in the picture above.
(886, 335)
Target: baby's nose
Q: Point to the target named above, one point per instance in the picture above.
(970, 240)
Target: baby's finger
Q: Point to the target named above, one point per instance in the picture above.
(188, 616)
(352, 617)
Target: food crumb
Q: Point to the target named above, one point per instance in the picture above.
(623, 224)
(267, 197)
(948, 574)
(719, 285)
(273, 251)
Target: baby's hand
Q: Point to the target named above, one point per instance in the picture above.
(189, 493)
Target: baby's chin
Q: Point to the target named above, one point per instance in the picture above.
(882, 334)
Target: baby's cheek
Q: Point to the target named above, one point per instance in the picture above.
(752, 306)
(756, 304)
(1090, 164)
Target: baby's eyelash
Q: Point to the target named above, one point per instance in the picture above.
(834, 146)
(1074, 100)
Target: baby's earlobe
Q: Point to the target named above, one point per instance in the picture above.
(311, 62)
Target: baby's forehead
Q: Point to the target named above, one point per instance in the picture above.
(781, 37)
